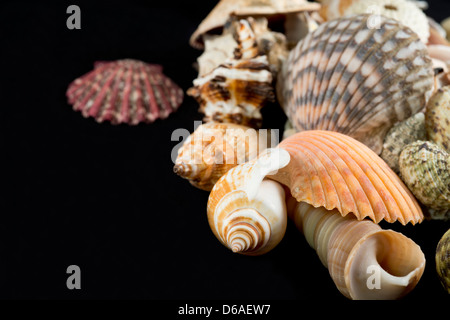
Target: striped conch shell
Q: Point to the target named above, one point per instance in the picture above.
(364, 261)
(214, 148)
(246, 212)
(331, 170)
(357, 80)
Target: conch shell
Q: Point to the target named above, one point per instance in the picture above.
(214, 148)
(348, 78)
(437, 118)
(425, 168)
(331, 170)
(218, 17)
(246, 212)
(443, 260)
(357, 252)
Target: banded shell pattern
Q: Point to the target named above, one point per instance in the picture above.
(359, 81)
(443, 260)
(125, 91)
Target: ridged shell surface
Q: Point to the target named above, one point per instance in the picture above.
(443, 260)
(331, 170)
(359, 81)
(437, 118)
(425, 168)
(125, 91)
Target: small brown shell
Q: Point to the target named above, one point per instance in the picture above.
(443, 260)
(437, 118)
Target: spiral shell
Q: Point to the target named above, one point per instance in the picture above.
(355, 252)
(332, 170)
(214, 148)
(425, 168)
(399, 136)
(125, 91)
(443, 260)
(437, 118)
(246, 212)
(360, 81)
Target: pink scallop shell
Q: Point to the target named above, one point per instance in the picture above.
(125, 91)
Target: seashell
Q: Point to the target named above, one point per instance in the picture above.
(439, 52)
(438, 35)
(437, 214)
(446, 25)
(237, 90)
(215, 148)
(355, 252)
(288, 130)
(437, 118)
(218, 17)
(297, 26)
(331, 170)
(125, 91)
(358, 81)
(399, 136)
(217, 50)
(246, 212)
(425, 169)
(443, 260)
(403, 11)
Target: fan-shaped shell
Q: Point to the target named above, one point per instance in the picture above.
(437, 118)
(443, 260)
(359, 81)
(333, 170)
(425, 168)
(214, 148)
(125, 91)
(226, 8)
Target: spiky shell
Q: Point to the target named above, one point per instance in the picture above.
(125, 91)
(425, 168)
(359, 81)
(437, 118)
(246, 212)
(399, 136)
(334, 171)
(443, 260)
(217, 18)
(214, 148)
(217, 50)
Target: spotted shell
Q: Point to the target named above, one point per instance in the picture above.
(399, 136)
(359, 81)
(443, 260)
(214, 148)
(425, 168)
(125, 91)
(331, 170)
(437, 118)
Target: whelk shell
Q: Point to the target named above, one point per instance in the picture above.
(425, 169)
(359, 81)
(214, 148)
(437, 118)
(246, 212)
(443, 260)
(125, 91)
(331, 170)
(354, 250)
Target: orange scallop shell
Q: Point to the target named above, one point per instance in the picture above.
(332, 170)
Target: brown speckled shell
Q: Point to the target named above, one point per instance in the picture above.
(437, 118)
(359, 81)
(443, 260)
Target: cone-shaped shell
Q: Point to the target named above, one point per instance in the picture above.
(225, 8)
(443, 260)
(246, 212)
(125, 91)
(331, 170)
(364, 261)
(360, 81)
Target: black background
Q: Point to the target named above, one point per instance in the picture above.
(104, 197)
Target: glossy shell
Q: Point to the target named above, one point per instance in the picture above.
(425, 168)
(399, 136)
(437, 118)
(125, 91)
(331, 170)
(443, 260)
(348, 78)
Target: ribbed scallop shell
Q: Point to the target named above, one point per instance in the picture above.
(443, 260)
(246, 212)
(425, 169)
(437, 118)
(332, 170)
(359, 81)
(213, 149)
(125, 91)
